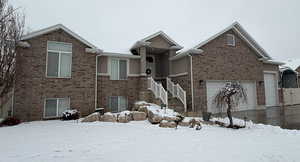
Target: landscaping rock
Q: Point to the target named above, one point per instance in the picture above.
(170, 118)
(92, 117)
(108, 117)
(167, 124)
(139, 104)
(137, 116)
(184, 123)
(154, 118)
(143, 109)
(125, 117)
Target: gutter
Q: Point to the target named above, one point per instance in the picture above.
(192, 81)
(96, 82)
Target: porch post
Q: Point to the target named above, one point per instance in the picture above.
(143, 60)
(171, 54)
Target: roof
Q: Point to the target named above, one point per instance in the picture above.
(159, 33)
(243, 34)
(54, 28)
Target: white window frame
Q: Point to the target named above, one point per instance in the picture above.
(233, 38)
(126, 98)
(59, 60)
(109, 67)
(57, 101)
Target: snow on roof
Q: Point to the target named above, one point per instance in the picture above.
(293, 64)
(54, 28)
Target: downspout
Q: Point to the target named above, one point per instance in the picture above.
(192, 82)
(96, 79)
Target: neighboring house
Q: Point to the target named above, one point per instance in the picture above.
(288, 77)
(58, 70)
(298, 71)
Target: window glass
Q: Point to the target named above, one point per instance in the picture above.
(122, 105)
(114, 69)
(113, 103)
(52, 65)
(51, 108)
(63, 104)
(123, 69)
(230, 40)
(65, 64)
(60, 46)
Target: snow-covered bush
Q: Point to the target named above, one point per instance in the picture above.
(10, 121)
(70, 115)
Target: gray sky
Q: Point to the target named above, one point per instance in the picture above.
(114, 25)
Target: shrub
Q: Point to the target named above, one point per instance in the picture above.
(70, 115)
(10, 121)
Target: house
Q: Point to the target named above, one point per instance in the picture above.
(56, 69)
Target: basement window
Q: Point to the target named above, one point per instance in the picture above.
(117, 103)
(230, 40)
(54, 107)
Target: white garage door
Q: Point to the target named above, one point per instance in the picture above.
(212, 88)
(270, 89)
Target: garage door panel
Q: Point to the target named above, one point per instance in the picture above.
(214, 86)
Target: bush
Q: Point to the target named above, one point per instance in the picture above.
(10, 121)
(70, 115)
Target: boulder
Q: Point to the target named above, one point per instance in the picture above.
(124, 117)
(92, 117)
(108, 117)
(171, 118)
(139, 104)
(184, 123)
(167, 124)
(143, 109)
(154, 118)
(137, 116)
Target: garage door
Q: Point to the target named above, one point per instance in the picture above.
(270, 89)
(212, 88)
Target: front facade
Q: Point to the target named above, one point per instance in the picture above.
(59, 70)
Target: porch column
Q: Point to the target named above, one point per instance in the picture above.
(171, 54)
(143, 60)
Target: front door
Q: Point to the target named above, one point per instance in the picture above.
(150, 65)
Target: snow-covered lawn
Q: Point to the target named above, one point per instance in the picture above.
(49, 141)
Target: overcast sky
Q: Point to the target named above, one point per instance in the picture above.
(115, 25)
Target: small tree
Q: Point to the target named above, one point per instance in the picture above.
(11, 31)
(230, 96)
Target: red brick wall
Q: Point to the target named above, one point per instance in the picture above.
(32, 87)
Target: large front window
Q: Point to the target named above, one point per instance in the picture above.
(54, 107)
(118, 69)
(59, 59)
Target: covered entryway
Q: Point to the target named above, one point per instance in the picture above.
(212, 88)
(271, 93)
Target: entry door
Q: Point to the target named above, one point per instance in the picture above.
(270, 83)
(150, 64)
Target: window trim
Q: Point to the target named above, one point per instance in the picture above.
(233, 38)
(57, 100)
(59, 60)
(109, 67)
(126, 98)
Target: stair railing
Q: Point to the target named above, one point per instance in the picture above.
(158, 90)
(177, 91)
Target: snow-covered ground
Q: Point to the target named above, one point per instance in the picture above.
(48, 141)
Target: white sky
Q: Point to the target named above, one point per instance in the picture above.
(115, 25)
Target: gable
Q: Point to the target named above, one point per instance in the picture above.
(241, 32)
(160, 42)
(56, 28)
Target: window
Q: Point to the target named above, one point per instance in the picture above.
(230, 40)
(117, 103)
(59, 59)
(118, 69)
(54, 107)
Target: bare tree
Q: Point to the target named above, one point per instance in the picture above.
(11, 30)
(230, 96)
